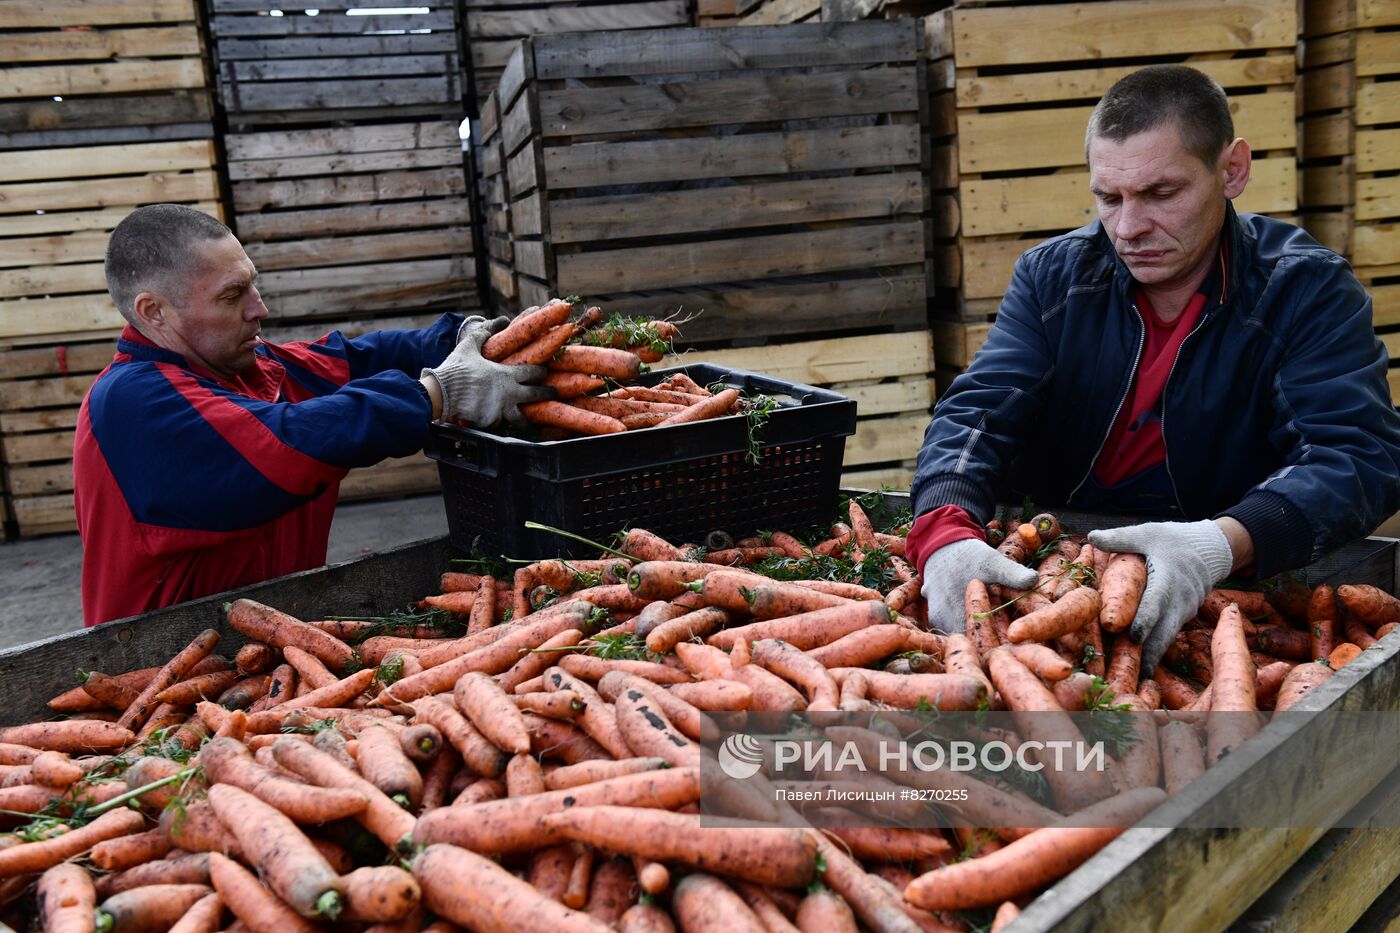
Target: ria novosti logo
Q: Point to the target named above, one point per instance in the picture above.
(740, 756)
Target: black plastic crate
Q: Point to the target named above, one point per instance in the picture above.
(679, 481)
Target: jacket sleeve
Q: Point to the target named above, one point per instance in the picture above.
(1334, 418)
(189, 454)
(978, 423)
(321, 367)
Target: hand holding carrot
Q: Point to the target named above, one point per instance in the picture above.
(948, 570)
(477, 390)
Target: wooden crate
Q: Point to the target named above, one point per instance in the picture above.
(79, 72)
(769, 178)
(346, 60)
(493, 27)
(495, 207)
(887, 374)
(1012, 87)
(355, 221)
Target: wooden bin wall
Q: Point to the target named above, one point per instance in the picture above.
(1012, 89)
(1351, 147)
(769, 178)
(344, 63)
(493, 27)
(495, 206)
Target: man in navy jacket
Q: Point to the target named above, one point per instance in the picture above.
(1173, 359)
(207, 458)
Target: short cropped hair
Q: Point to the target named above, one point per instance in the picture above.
(155, 249)
(1160, 94)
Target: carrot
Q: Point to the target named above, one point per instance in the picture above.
(1027, 863)
(380, 894)
(608, 362)
(127, 851)
(66, 899)
(799, 669)
(568, 386)
(156, 907)
(1355, 632)
(890, 844)
(594, 669)
(742, 591)
(287, 861)
(480, 791)
(480, 895)
(250, 901)
(878, 908)
(1005, 914)
(203, 916)
(977, 610)
(1183, 758)
(421, 742)
(492, 712)
(184, 869)
(1121, 587)
(807, 630)
(705, 904)
(562, 704)
(52, 769)
(1232, 687)
(1176, 693)
(554, 739)
(1070, 614)
(863, 646)
(1322, 621)
(783, 857)
(227, 761)
(389, 822)
(611, 891)
(31, 857)
(1300, 682)
(1124, 665)
(652, 877)
(644, 546)
(580, 873)
(268, 625)
(533, 664)
(596, 719)
(539, 350)
(108, 691)
(516, 824)
(70, 735)
(526, 327)
(1371, 604)
(1282, 642)
(571, 417)
(254, 658)
(1038, 714)
(247, 691)
(383, 763)
(1044, 662)
(549, 871)
(823, 909)
(714, 406)
(336, 694)
(1340, 656)
(588, 772)
(769, 914)
(647, 731)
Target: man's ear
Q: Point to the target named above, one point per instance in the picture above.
(149, 311)
(1234, 166)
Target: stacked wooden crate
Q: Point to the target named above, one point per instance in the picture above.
(491, 170)
(1012, 87)
(765, 185)
(1351, 147)
(350, 188)
(493, 27)
(103, 107)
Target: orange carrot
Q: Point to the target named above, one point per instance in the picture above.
(183, 869)
(549, 871)
(596, 718)
(1340, 656)
(960, 657)
(480, 895)
(70, 735)
(648, 732)
(174, 670)
(713, 407)
(1322, 621)
(807, 630)
(389, 822)
(580, 873)
(905, 691)
(527, 326)
(128, 851)
(488, 707)
(705, 903)
(877, 907)
(594, 669)
(380, 894)
(588, 772)
(1371, 604)
(1300, 682)
(550, 738)
(571, 417)
(977, 610)
(382, 762)
(608, 362)
(1070, 614)
(203, 916)
(156, 907)
(268, 625)
(66, 898)
(799, 669)
(250, 902)
(569, 386)
(1232, 687)
(32, 857)
(1043, 661)
(1121, 587)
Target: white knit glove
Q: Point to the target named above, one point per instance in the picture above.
(1184, 560)
(481, 392)
(948, 570)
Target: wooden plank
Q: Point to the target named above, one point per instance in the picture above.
(559, 19)
(1118, 29)
(1327, 136)
(491, 56)
(116, 112)
(353, 140)
(519, 70)
(36, 448)
(1330, 88)
(1326, 16)
(1375, 244)
(492, 159)
(1377, 150)
(52, 280)
(38, 316)
(394, 275)
(99, 44)
(1377, 54)
(624, 162)
(18, 14)
(531, 258)
(579, 111)
(53, 250)
(688, 51)
(1328, 186)
(1062, 201)
(223, 27)
(502, 280)
(826, 362)
(683, 264)
(1378, 198)
(898, 477)
(94, 161)
(336, 46)
(45, 480)
(987, 265)
(1321, 51)
(49, 419)
(349, 189)
(996, 142)
(576, 220)
(523, 170)
(282, 69)
(519, 123)
(456, 292)
(880, 440)
(357, 249)
(33, 224)
(402, 477)
(1378, 102)
(490, 119)
(889, 398)
(105, 78)
(782, 12)
(786, 309)
(330, 95)
(1385, 305)
(43, 515)
(525, 216)
(16, 394)
(349, 162)
(957, 344)
(69, 195)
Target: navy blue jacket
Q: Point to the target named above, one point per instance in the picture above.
(1276, 412)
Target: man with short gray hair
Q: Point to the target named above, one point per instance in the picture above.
(1173, 359)
(207, 458)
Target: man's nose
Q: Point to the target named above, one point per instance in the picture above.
(256, 309)
(1132, 222)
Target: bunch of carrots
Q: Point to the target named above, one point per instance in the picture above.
(587, 356)
(539, 768)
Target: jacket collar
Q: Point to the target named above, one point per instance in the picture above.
(262, 382)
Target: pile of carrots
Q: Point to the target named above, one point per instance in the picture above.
(588, 355)
(539, 769)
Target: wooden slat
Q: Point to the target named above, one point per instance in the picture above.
(520, 69)
(559, 19)
(185, 112)
(337, 300)
(45, 480)
(161, 41)
(1327, 136)
(349, 189)
(1377, 150)
(93, 161)
(996, 142)
(737, 260)
(275, 285)
(721, 209)
(1378, 198)
(36, 448)
(780, 12)
(1328, 186)
(49, 419)
(1062, 201)
(17, 225)
(352, 140)
(21, 14)
(987, 265)
(53, 250)
(349, 162)
(70, 195)
(401, 477)
(1040, 87)
(39, 316)
(107, 78)
(623, 162)
(336, 46)
(525, 216)
(957, 344)
(826, 362)
(880, 440)
(16, 394)
(897, 478)
(692, 50)
(523, 171)
(518, 123)
(1377, 53)
(1378, 102)
(351, 92)
(357, 249)
(1329, 88)
(41, 515)
(1118, 29)
(52, 280)
(284, 69)
(574, 112)
(223, 27)
(531, 258)
(1375, 244)
(914, 394)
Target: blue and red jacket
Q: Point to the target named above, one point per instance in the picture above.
(186, 484)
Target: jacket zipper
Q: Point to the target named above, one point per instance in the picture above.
(1166, 451)
(1132, 377)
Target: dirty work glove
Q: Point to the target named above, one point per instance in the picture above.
(948, 571)
(476, 390)
(1184, 560)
